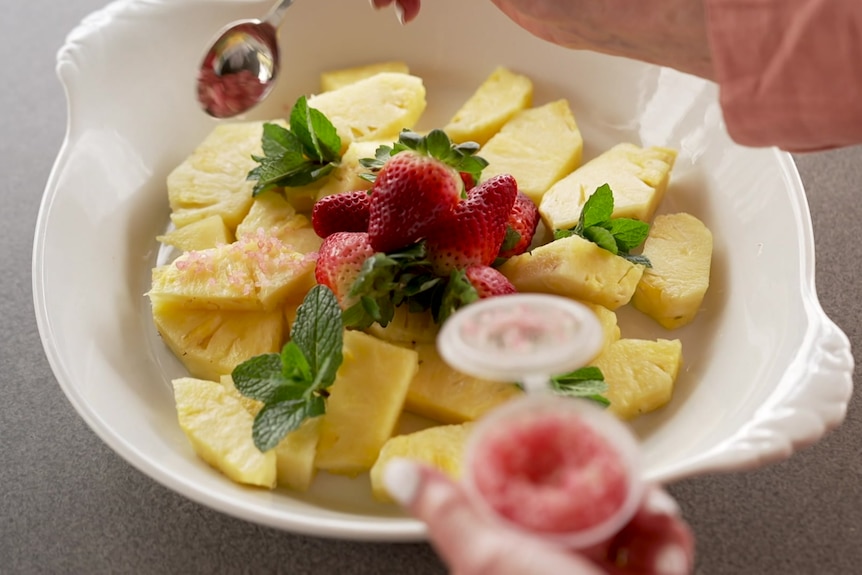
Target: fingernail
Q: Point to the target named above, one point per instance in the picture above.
(672, 560)
(401, 479)
(660, 503)
(399, 12)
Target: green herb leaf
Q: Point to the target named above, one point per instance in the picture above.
(598, 208)
(318, 332)
(259, 377)
(318, 136)
(275, 420)
(628, 233)
(601, 237)
(587, 382)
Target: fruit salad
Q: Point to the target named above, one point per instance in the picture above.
(318, 255)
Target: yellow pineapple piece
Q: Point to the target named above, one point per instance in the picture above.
(212, 180)
(538, 146)
(637, 176)
(219, 429)
(407, 327)
(608, 321)
(441, 447)
(200, 235)
(210, 343)
(443, 394)
(272, 214)
(679, 248)
(364, 404)
(500, 96)
(334, 79)
(575, 268)
(257, 272)
(295, 455)
(376, 108)
(345, 178)
(640, 374)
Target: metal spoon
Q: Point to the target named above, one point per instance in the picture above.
(240, 68)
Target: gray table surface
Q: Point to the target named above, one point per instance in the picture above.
(68, 504)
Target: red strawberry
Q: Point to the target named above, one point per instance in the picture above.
(467, 179)
(339, 261)
(473, 233)
(410, 193)
(488, 281)
(344, 212)
(523, 219)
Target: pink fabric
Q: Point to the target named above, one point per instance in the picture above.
(789, 71)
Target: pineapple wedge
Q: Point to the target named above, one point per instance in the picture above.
(575, 268)
(500, 96)
(219, 429)
(335, 79)
(345, 178)
(211, 343)
(273, 215)
(294, 455)
(443, 394)
(441, 447)
(637, 176)
(640, 374)
(679, 248)
(200, 235)
(364, 404)
(376, 108)
(537, 146)
(608, 321)
(212, 180)
(407, 328)
(257, 272)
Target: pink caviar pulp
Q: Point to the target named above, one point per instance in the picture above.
(550, 473)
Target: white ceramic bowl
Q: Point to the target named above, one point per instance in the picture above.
(765, 372)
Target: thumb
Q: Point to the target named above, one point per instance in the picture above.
(463, 537)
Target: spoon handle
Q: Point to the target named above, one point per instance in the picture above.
(277, 13)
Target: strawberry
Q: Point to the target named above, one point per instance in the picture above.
(468, 180)
(344, 212)
(473, 233)
(339, 262)
(488, 281)
(420, 182)
(523, 220)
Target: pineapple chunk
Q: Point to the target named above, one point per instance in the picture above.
(334, 79)
(219, 429)
(679, 248)
(407, 327)
(257, 272)
(575, 268)
(537, 146)
(345, 178)
(441, 447)
(640, 374)
(295, 454)
(376, 108)
(200, 235)
(443, 394)
(499, 97)
(364, 404)
(637, 176)
(608, 321)
(212, 180)
(272, 214)
(211, 343)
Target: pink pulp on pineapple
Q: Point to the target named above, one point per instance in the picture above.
(550, 473)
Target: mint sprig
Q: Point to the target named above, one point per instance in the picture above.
(587, 382)
(617, 235)
(292, 385)
(462, 157)
(294, 157)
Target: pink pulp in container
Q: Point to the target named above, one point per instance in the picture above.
(556, 467)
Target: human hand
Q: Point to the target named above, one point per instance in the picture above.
(666, 32)
(656, 540)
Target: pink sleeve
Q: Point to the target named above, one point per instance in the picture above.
(789, 71)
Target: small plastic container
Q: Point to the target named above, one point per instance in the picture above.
(556, 467)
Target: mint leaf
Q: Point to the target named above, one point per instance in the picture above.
(587, 382)
(294, 157)
(598, 208)
(294, 365)
(601, 237)
(259, 377)
(276, 420)
(318, 332)
(628, 233)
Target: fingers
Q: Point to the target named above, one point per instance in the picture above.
(465, 539)
(405, 10)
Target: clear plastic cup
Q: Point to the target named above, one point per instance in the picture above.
(577, 489)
